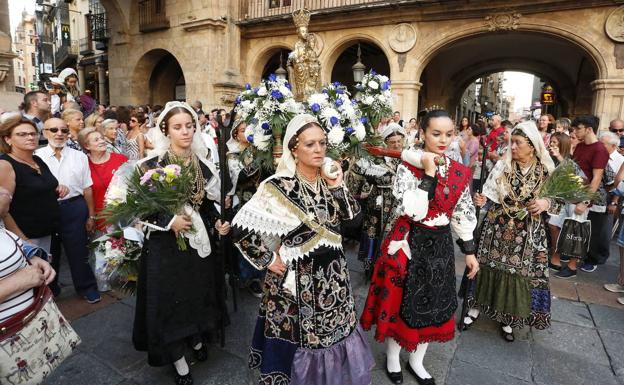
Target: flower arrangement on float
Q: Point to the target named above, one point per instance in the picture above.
(266, 109)
(340, 117)
(374, 98)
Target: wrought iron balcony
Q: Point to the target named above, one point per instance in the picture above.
(86, 46)
(152, 16)
(65, 53)
(266, 9)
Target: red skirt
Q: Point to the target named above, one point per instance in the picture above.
(385, 294)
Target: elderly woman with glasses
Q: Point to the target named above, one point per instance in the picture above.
(28, 179)
(109, 132)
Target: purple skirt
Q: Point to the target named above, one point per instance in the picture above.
(349, 362)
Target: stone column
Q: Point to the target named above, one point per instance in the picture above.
(406, 97)
(9, 99)
(608, 100)
(102, 91)
(81, 77)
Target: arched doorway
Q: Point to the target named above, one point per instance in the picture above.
(371, 56)
(277, 60)
(159, 77)
(565, 65)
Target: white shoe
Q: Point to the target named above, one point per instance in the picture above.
(614, 287)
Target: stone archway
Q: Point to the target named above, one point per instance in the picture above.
(159, 77)
(372, 56)
(265, 60)
(451, 64)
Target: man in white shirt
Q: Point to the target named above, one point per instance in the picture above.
(71, 168)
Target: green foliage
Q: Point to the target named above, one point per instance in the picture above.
(565, 185)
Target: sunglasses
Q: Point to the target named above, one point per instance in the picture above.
(25, 134)
(615, 130)
(54, 130)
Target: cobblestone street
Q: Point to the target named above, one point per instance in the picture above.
(585, 344)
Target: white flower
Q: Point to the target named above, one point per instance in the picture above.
(336, 135)
(368, 100)
(262, 141)
(373, 84)
(359, 131)
(116, 195)
(249, 130)
(383, 78)
(320, 99)
(262, 91)
(284, 90)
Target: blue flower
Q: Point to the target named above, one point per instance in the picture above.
(256, 90)
(272, 77)
(385, 86)
(315, 108)
(324, 90)
(349, 130)
(276, 94)
(247, 86)
(250, 138)
(238, 100)
(373, 72)
(174, 187)
(152, 189)
(340, 91)
(338, 102)
(333, 120)
(265, 126)
(289, 86)
(364, 119)
(336, 84)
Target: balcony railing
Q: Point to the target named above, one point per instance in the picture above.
(86, 46)
(260, 9)
(65, 52)
(152, 16)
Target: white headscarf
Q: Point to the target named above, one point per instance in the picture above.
(530, 129)
(287, 165)
(391, 129)
(232, 144)
(161, 142)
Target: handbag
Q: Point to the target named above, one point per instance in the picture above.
(574, 237)
(35, 341)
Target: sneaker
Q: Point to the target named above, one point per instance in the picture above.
(588, 267)
(93, 296)
(621, 300)
(614, 288)
(564, 258)
(554, 267)
(565, 273)
(255, 288)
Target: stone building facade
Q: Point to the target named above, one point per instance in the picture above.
(208, 49)
(24, 45)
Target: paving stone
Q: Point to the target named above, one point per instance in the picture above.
(97, 327)
(606, 317)
(572, 312)
(581, 342)
(489, 351)
(83, 369)
(380, 378)
(463, 373)
(595, 293)
(562, 288)
(554, 367)
(119, 353)
(614, 344)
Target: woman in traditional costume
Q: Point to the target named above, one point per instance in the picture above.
(180, 293)
(412, 299)
(380, 201)
(246, 176)
(512, 285)
(307, 331)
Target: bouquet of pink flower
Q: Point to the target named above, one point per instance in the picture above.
(117, 258)
(155, 191)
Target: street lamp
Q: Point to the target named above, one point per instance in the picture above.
(280, 72)
(358, 68)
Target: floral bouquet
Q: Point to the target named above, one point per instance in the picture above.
(340, 117)
(374, 99)
(565, 185)
(266, 109)
(158, 190)
(117, 258)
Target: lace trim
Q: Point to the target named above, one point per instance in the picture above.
(289, 254)
(371, 169)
